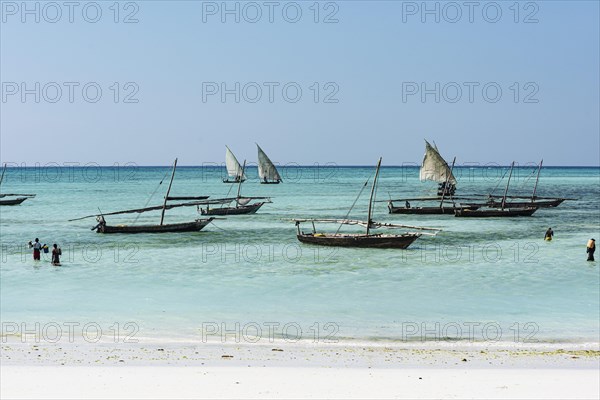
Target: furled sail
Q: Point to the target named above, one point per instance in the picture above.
(266, 168)
(234, 169)
(242, 201)
(434, 167)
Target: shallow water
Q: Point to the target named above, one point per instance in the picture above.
(479, 279)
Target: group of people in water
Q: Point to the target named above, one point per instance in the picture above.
(590, 249)
(57, 252)
(38, 248)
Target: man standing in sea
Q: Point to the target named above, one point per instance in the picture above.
(591, 248)
(37, 248)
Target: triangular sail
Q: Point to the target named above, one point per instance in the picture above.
(434, 167)
(266, 168)
(234, 169)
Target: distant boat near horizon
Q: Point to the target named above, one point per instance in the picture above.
(234, 169)
(267, 172)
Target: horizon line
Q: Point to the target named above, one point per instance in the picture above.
(288, 165)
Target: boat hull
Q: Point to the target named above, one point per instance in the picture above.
(12, 202)
(536, 203)
(427, 210)
(270, 182)
(194, 226)
(492, 213)
(233, 181)
(360, 240)
(248, 209)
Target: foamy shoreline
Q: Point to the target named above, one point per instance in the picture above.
(284, 370)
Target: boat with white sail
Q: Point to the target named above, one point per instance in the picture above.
(435, 168)
(267, 172)
(234, 169)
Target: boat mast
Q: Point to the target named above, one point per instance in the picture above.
(3, 171)
(536, 181)
(507, 183)
(240, 185)
(162, 214)
(446, 184)
(372, 193)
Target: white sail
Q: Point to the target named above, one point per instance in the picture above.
(434, 167)
(242, 201)
(266, 168)
(234, 169)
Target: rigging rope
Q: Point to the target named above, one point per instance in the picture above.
(217, 226)
(529, 177)
(352, 206)
(152, 195)
(499, 182)
(227, 195)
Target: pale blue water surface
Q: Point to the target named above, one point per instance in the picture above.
(252, 269)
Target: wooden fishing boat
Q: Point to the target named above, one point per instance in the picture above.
(191, 226)
(238, 210)
(381, 241)
(234, 169)
(496, 212)
(435, 168)
(12, 202)
(241, 203)
(365, 240)
(439, 209)
(429, 210)
(267, 172)
(526, 201)
(503, 211)
(531, 203)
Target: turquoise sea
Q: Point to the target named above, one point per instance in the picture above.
(477, 280)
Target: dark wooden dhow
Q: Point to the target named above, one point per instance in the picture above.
(503, 211)
(496, 212)
(428, 210)
(366, 240)
(239, 210)
(194, 226)
(12, 202)
(381, 241)
(531, 203)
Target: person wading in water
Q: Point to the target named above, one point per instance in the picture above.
(591, 248)
(37, 247)
(56, 253)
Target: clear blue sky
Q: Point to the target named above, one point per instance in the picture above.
(375, 55)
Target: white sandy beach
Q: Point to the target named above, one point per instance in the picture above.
(270, 382)
(282, 370)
